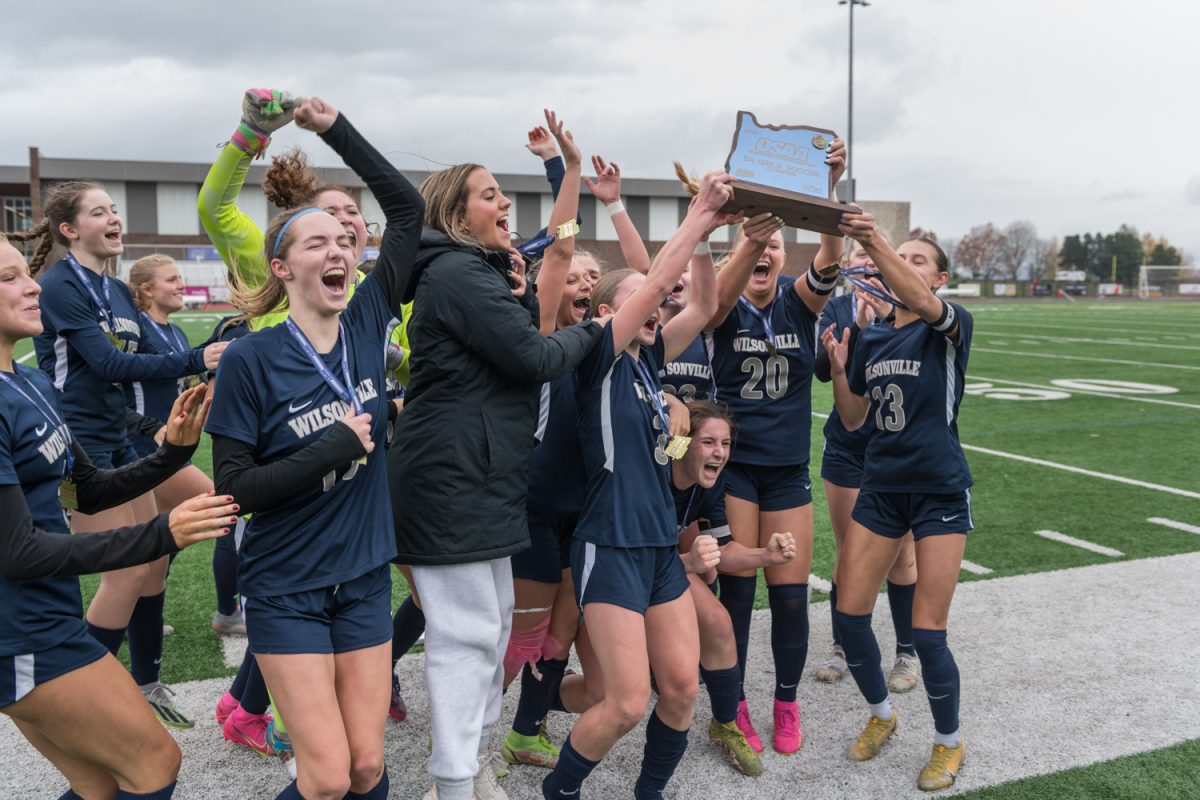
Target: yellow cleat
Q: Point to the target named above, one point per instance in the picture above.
(869, 742)
(941, 769)
(732, 741)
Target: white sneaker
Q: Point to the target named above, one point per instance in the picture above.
(499, 765)
(905, 673)
(431, 794)
(834, 669)
(487, 785)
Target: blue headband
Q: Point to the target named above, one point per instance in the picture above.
(291, 219)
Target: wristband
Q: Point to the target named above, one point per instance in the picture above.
(947, 319)
(702, 249)
(250, 140)
(819, 284)
(614, 208)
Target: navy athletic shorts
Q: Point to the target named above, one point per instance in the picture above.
(842, 467)
(111, 459)
(336, 619)
(772, 487)
(893, 514)
(20, 674)
(630, 577)
(549, 551)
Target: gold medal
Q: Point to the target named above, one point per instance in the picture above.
(67, 497)
(193, 381)
(568, 229)
(820, 142)
(678, 446)
(116, 340)
(362, 460)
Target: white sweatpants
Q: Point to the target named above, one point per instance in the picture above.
(468, 616)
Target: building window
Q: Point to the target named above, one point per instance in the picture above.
(18, 214)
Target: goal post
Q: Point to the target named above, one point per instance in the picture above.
(1144, 274)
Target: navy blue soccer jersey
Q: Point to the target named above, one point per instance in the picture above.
(689, 377)
(839, 313)
(87, 368)
(557, 477)
(270, 396)
(154, 397)
(768, 387)
(39, 614)
(913, 376)
(628, 502)
(704, 505)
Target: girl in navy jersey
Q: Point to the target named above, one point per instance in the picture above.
(764, 346)
(297, 424)
(69, 697)
(629, 580)
(905, 382)
(89, 347)
(841, 471)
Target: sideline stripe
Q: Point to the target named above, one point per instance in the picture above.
(25, 357)
(1158, 487)
(819, 583)
(975, 569)
(1110, 395)
(1055, 536)
(1170, 523)
(1082, 358)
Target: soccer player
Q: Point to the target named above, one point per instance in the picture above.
(905, 383)
(67, 695)
(298, 422)
(89, 347)
(629, 580)
(764, 336)
(841, 471)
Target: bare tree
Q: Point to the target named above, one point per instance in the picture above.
(1017, 244)
(981, 252)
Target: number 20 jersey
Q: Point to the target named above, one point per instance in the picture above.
(769, 393)
(913, 376)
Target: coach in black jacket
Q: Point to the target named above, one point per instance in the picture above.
(458, 471)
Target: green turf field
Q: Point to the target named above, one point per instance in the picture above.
(1129, 410)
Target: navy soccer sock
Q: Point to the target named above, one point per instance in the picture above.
(238, 687)
(737, 595)
(224, 567)
(536, 696)
(146, 639)
(380, 792)
(837, 638)
(862, 655)
(568, 776)
(290, 792)
(789, 636)
(940, 675)
(407, 627)
(724, 691)
(111, 638)
(70, 795)
(662, 753)
(900, 601)
(162, 794)
(254, 699)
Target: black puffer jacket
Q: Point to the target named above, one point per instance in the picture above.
(459, 466)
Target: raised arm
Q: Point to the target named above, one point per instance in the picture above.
(733, 277)
(607, 189)
(402, 205)
(231, 231)
(542, 145)
(556, 262)
(817, 285)
(685, 326)
(670, 262)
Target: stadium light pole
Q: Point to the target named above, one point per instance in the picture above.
(850, 101)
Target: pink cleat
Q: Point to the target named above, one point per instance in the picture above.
(249, 730)
(225, 707)
(747, 727)
(789, 733)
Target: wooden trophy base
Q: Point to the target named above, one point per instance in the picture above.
(797, 210)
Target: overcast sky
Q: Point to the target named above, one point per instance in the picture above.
(1078, 116)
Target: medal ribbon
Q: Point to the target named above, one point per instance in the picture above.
(691, 499)
(851, 275)
(763, 316)
(104, 305)
(344, 391)
(648, 382)
(171, 341)
(46, 411)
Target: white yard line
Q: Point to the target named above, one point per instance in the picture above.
(819, 583)
(1071, 635)
(1010, 322)
(977, 349)
(1083, 544)
(975, 569)
(1153, 400)
(1170, 523)
(26, 357)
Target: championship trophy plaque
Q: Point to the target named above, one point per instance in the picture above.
(782, 169)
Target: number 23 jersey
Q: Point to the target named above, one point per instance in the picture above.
(913, 376)
(768, 390)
